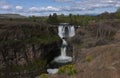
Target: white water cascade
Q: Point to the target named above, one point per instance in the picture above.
(71, 31)
(64, 31)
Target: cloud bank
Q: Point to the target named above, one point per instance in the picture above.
(5, 5)
(74, 6)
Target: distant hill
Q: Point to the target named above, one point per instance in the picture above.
(11, 16)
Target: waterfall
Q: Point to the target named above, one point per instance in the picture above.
(61, 31)
(71, 31)
(64, 31)
(63, 48)
(63, 58)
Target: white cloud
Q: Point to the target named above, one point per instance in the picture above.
(118, 5)
(73, 7)
(19, 7)
(76, 6)
(50, 8)
(94, 4)
(6, 7)
(33, 9)
(44, 9)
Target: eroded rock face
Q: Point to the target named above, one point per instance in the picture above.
(26, 47)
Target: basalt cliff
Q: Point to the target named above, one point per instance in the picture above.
(26, 48)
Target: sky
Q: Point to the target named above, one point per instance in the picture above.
(46, 7)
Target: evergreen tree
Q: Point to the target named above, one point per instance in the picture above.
(49, 19)
(71, 18)
(70, 15)
(53, 19)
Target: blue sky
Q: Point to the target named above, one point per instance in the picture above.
(46, 7)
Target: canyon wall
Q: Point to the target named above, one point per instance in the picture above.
(26, 48)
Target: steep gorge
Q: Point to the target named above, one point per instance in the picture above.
(26, 47)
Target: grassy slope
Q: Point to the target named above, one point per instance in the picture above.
(97, 62)
(104, 63)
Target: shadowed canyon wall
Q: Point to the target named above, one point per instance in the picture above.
(26, 47)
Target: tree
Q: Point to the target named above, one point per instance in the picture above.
(54, 15)
(118, 13)
(49, 19)
(61, 18)
(62, 15)
(70, 15)
(71, 18)
(53, 19)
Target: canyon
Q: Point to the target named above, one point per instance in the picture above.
(27, 49)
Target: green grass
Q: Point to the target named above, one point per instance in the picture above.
(43, 76)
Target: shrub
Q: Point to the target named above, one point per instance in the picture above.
(43, 76)
(89, 58)
(67, 69)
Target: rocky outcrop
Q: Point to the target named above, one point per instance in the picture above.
(26, 48)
